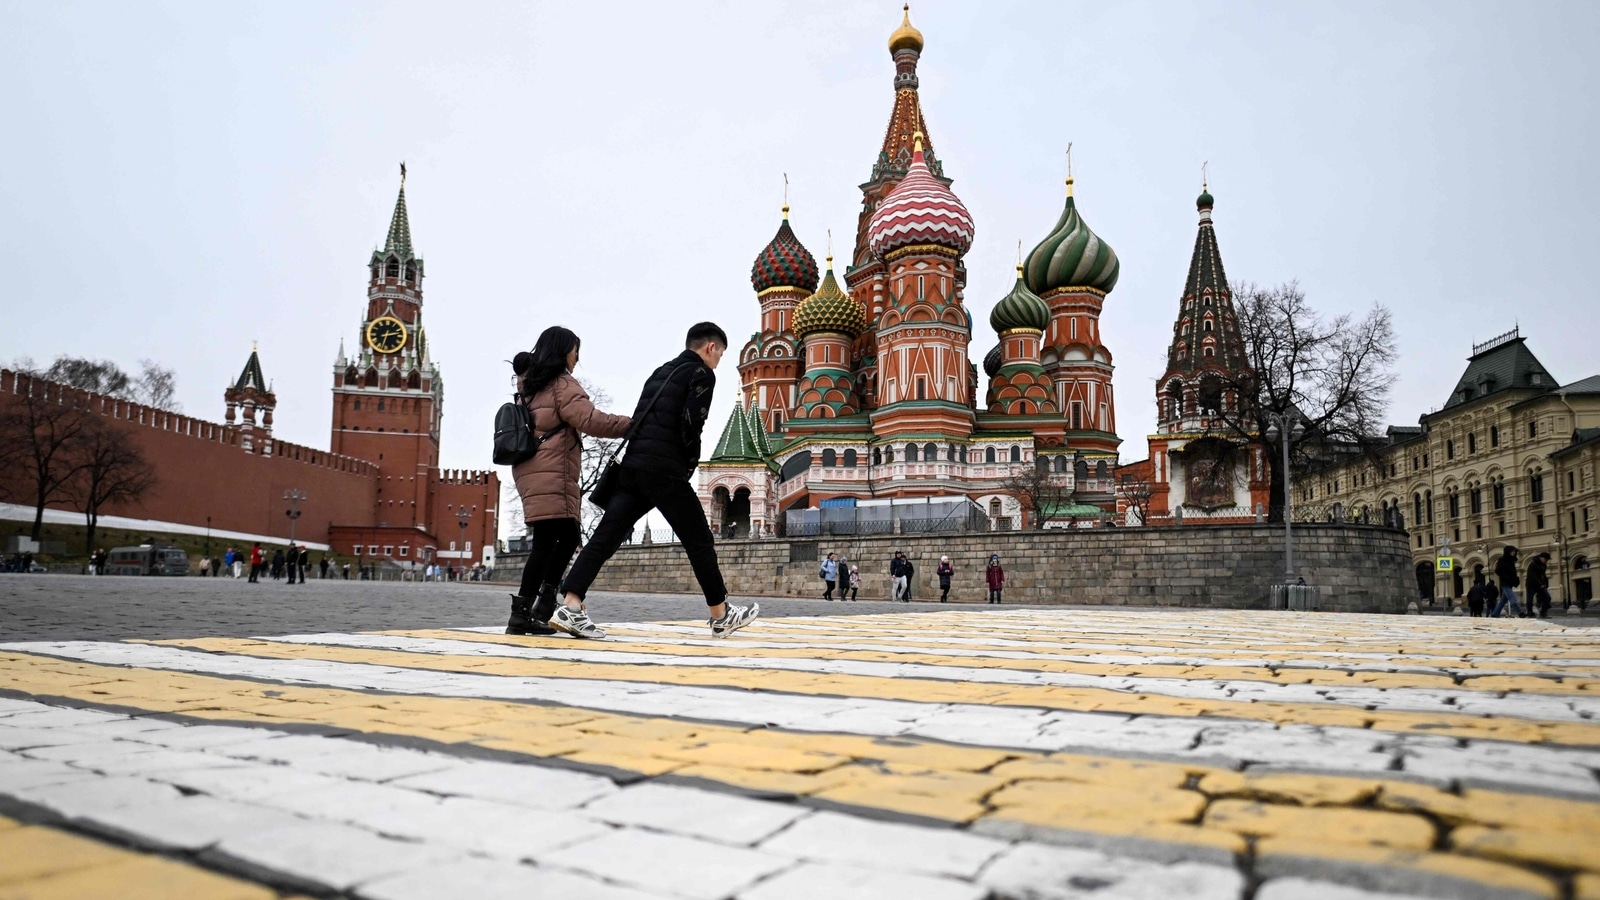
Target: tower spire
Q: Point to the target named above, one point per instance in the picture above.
(399, 239)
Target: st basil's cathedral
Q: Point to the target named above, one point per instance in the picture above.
(859, 386)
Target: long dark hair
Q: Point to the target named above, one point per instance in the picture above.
(535, 371)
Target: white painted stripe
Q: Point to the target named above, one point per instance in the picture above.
(1219, 741)
(16, 513)
(1546, 707)
(972, 647)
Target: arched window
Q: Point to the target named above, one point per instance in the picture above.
(1455, 505)
(1449, 449)
(1494, 435)
(1100, 469)
(930, 452)
(1080, 470)
(1472, 443)
(994, 507)
(1016, 453)
(911, 453)
(358, 403)
(1429, 502)
(950, 452)
(1211, 351)
(888, 456)
(411, 273)
(372, 378)
(1416, 508)
(1536, 487)
(1208, 325)
(877, 456)
(988, 455)
(1061, 465)
(392, 269)
(850, 459)
(829, 458)
(963, 454)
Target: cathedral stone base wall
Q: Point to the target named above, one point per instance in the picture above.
(1355, 568)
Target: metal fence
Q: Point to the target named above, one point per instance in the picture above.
(1296, 597)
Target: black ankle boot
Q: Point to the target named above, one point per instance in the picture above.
(523, 621)
(544, 606)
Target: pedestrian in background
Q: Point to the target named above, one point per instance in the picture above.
(292, 560)
(257, 560)
(911, 579)
(897, 575)
(944, 572)
(1539, 585)
(855, 582)
(1506, 571)
(1475, 596)
(829, 570)
(995, 577)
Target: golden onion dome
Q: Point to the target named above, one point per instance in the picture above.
(906, 37)
(829, 309)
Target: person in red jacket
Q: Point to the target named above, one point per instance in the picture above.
(995, 577)
(257, 560)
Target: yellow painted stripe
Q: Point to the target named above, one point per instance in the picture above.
(1158, 800)
(41, 863)
(1321, 677)
(931, 691)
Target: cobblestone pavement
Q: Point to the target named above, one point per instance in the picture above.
(952, 753)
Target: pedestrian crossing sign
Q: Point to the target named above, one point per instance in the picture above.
(1446, 564)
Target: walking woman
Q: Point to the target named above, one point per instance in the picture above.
(944, 572)
(548, 481)
(994, 577)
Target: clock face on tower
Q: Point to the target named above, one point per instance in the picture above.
(386, 334)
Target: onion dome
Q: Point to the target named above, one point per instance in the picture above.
(906, 37)
(920, 210)
(829, 309)
(992, 361)
(1021, 308)
(1205, 200)
(1072, 256)
(785, 262)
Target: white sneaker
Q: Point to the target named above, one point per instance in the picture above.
(575, 622)
(735, 618)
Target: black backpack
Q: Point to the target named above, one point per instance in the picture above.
(514, 440)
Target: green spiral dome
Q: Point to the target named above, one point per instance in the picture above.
(1021, 308)
(1072, 256)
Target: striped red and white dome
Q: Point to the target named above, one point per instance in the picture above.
(920, 210)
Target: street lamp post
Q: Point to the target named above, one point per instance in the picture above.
(1289, 427)
(463, 517)
(293, 498)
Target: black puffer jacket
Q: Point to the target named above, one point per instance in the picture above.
(666, 440)
(1506, 571)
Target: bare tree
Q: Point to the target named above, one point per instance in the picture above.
(1135, 489)
(110, 470)
(596, 453)
(1040, 489)
(42, 424)
(154, 386)
(1332, 373)
(157, 386)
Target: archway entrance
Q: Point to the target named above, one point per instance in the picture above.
(1425, 580)
(736, 518)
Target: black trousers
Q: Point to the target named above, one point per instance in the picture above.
(553, 543)
(637, 494)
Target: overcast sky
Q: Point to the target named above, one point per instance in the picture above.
(180, 179)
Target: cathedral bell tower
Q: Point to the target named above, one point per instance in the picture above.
(388, 397)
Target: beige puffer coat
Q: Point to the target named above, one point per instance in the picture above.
(548, 483)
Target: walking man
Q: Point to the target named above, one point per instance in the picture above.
(830, 576)
(1506, 571)
(1539, 585)
(897, 574)
(293, 559)
(257, 559)
(663, 444)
